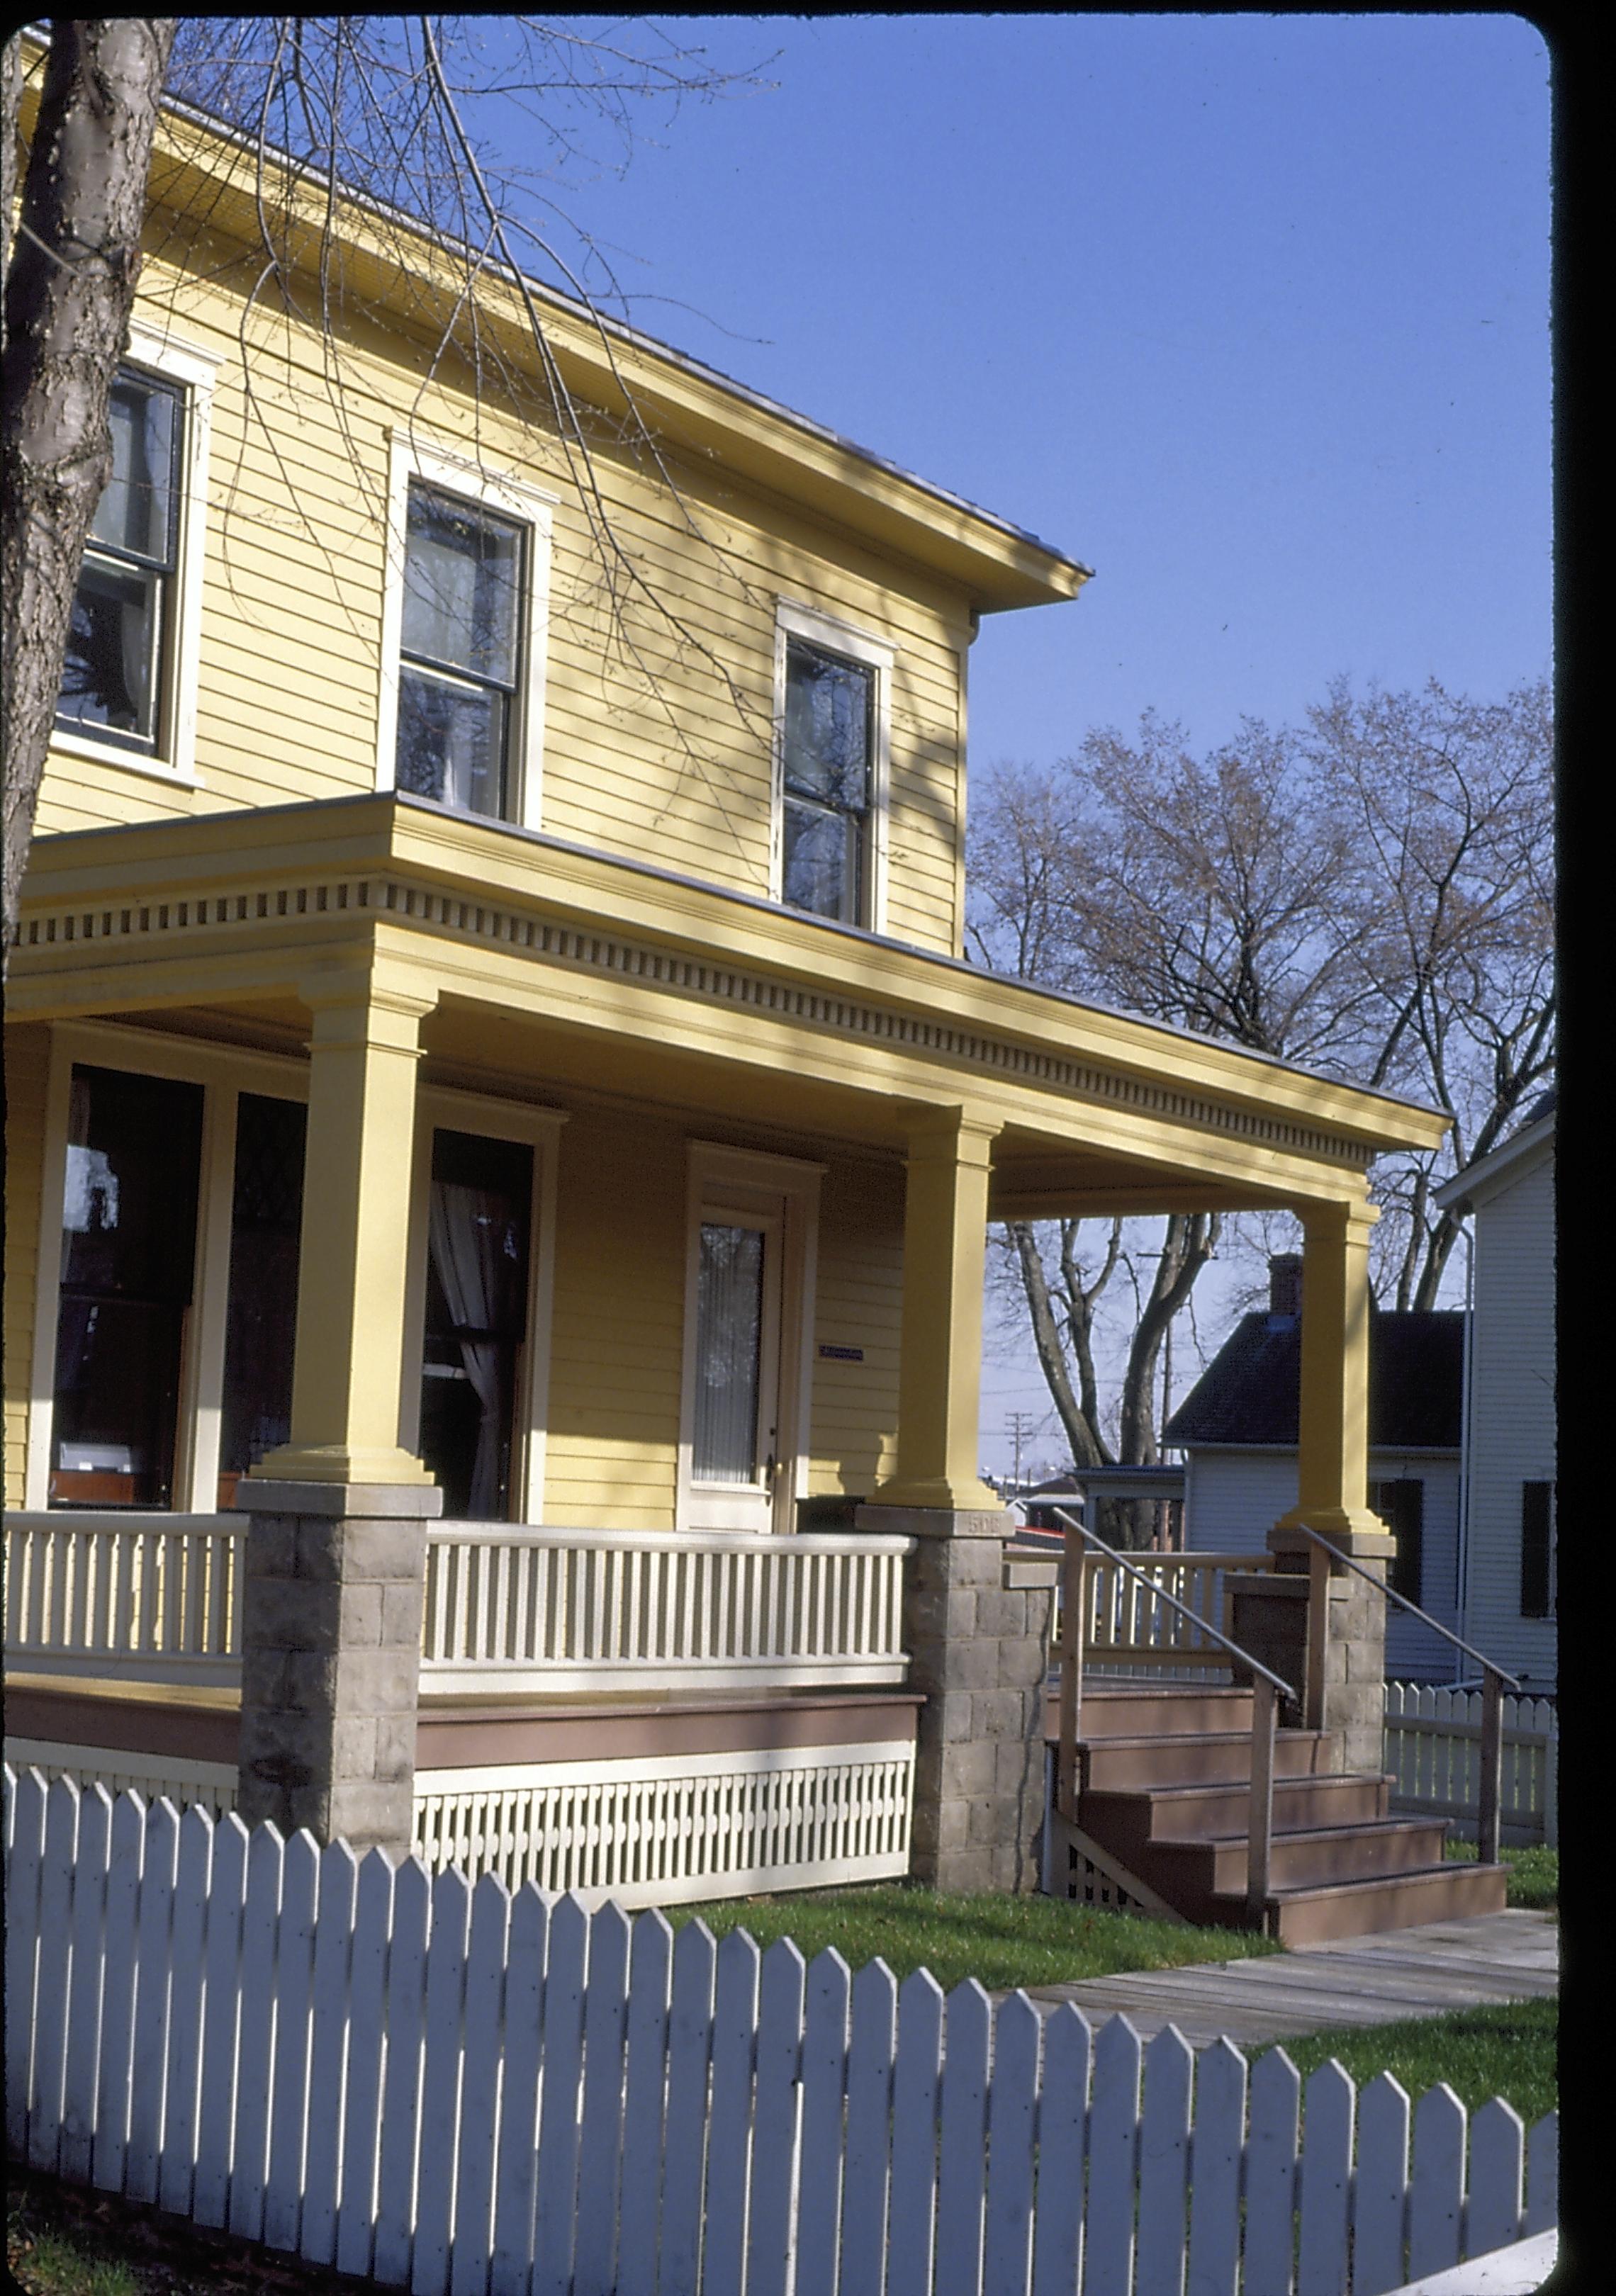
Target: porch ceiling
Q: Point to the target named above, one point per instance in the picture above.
(558, 968)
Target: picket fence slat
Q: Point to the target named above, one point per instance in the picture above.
(362, 2098)
(446, 1960)
(734, 2025)
(962, 2141)
(1164, 2161)
(780, 1996)
(461, 2091)
(600, 2135)
(217, 2105)
(916, 2077)
(562, 2070)
(77, 2148)
(1063, 2128)
(193, 1870)
(871, 2049)
(149, 2061)
(650, 1971)
(56, 1961)
(1380, 2208)
(1497, 2147)
(684, 2158)
(1276, 2094)
(1436, 2189)
(825, 2072)
(393, 2239)
(1326, 2182)
(1216, 2159)
(255, 2060)
(1113, 2136)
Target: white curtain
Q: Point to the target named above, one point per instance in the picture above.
(466, 1232)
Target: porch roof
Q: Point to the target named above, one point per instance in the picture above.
(558, 966)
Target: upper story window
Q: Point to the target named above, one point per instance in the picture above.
(463, 638)
(128, 684)
(832, 713)
(459, 653)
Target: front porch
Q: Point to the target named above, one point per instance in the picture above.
(641, 1226)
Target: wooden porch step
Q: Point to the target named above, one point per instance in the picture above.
(1443, 1892)
(1318, 1857)
(1183, 1760)
(1157, 1710)
(1219, 1810)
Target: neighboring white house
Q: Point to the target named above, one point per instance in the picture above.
(1237, 1429)
(1508, 1599)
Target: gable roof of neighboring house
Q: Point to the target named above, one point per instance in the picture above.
(1505, 1165)
(1250, 1393)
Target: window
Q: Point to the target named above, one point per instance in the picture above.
(1401, 1507)
(1538, 1589)
(260, 1329)
(128, 685)
(128, 1247)
(476, 1321)
(464, 637)
(112, 676)
(459, 652)
(832, 769)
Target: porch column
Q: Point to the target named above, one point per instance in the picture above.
(1333, 1639)
(977, 1647)
(940, 1349)
(337, 1517)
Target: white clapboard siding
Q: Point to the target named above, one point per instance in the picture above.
(475, 2094)
(1434, 1752)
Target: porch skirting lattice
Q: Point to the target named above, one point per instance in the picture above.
(642, 1831)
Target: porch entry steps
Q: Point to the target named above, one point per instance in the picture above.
(1164, 1796)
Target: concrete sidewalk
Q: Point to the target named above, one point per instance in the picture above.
(1369, 1980)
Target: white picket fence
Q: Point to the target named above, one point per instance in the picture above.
(477, 2095)
(1433, 1750)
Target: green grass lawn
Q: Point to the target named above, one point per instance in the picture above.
(1507, 2050)
(1001, 1941)
(65, 2240)
(1534, 1875)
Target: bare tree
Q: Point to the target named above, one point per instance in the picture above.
(377, 120)
(1370, 896)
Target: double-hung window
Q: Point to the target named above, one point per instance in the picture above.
(832, 715)
(459, 653)
(120, 632)
(463, 635)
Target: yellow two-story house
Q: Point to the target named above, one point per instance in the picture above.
(489, 1027)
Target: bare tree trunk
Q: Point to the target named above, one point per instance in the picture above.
(69, 291)
(1188, 1240)
(1082, 1430)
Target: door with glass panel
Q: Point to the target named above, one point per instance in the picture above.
(733, 1462)
(474, 1336)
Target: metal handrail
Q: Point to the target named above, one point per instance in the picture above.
(1267, 1688)
(1487, 1665)
(1160, 1593)
(1490, 1793)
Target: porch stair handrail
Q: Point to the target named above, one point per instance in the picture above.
(1267, 1688)
(1493, 1679)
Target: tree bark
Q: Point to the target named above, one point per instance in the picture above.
(69, 288)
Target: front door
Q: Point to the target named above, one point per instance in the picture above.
(733, 1460)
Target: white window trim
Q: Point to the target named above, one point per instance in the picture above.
(224, 1073)
(410, 456)
(440, 1108)
(792, 621)
(196, 371)
(718, 1174)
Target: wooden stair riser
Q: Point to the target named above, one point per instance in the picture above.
(1110, 1765)
(1448, 1893)
(1161, 1713)
(1303, 1861)
(1130, 1820)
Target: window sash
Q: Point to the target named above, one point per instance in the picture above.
(439, 751)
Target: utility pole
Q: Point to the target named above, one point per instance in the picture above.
(1017, 1426)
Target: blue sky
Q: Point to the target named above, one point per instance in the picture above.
(1250, 313)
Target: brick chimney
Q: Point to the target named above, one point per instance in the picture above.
(1285, 1283)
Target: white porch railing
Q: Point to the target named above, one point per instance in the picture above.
(1434, 1752)
(1126, 1630)
(152, 1598)
(573, 1609)
(157, 1598)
